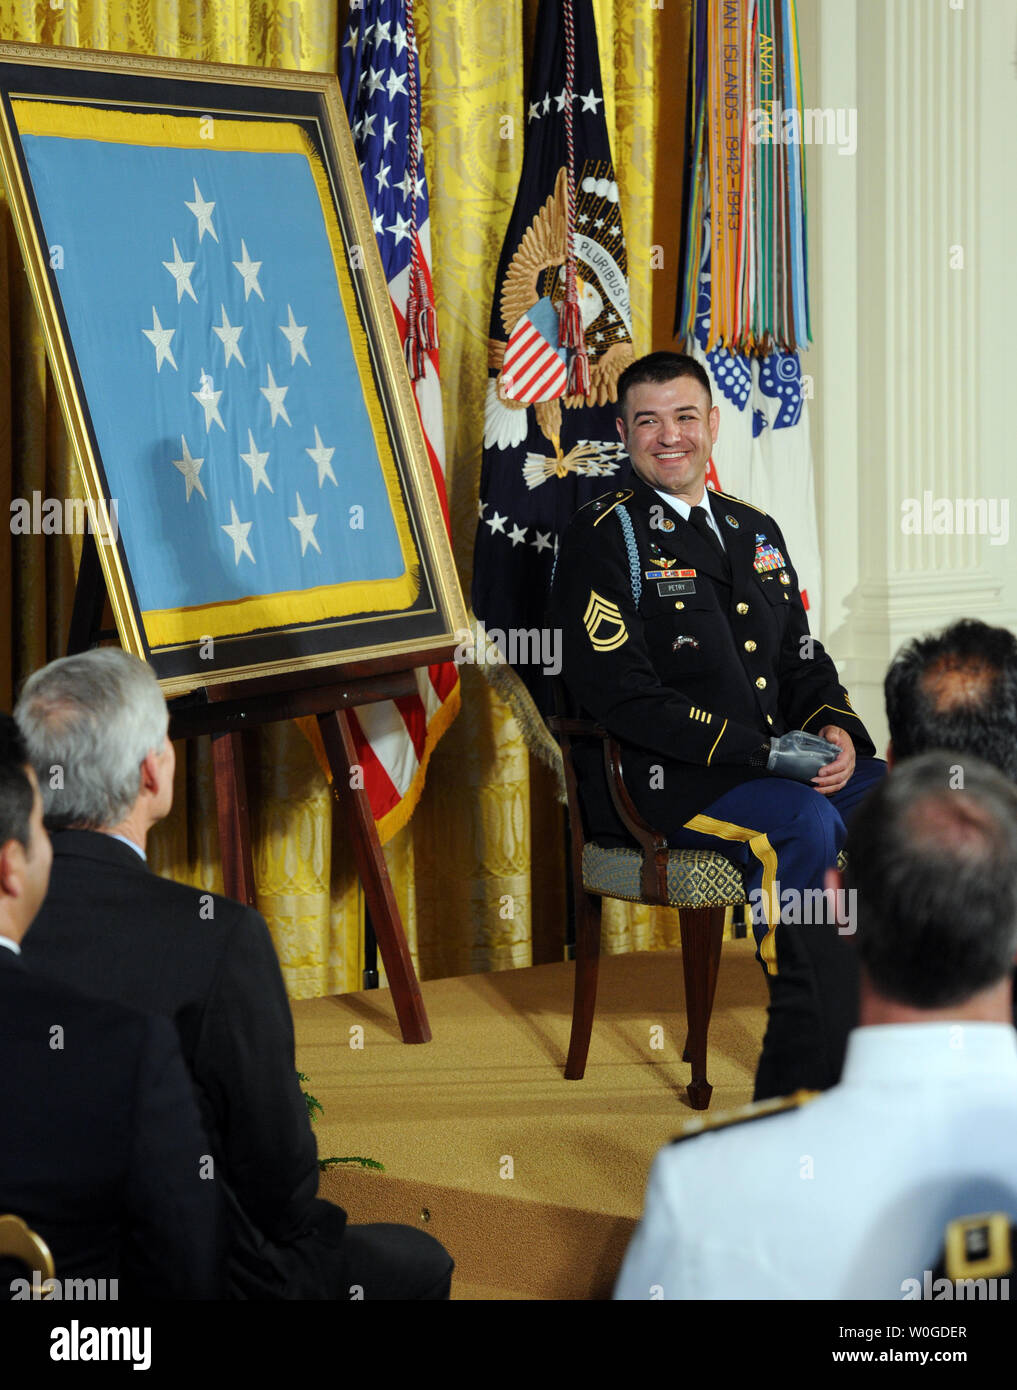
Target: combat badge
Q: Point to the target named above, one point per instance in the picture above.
(604, 624)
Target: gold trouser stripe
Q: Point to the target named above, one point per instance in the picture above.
(714, 748)
(760, 846)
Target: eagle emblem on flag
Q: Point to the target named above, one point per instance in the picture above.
(532, 366)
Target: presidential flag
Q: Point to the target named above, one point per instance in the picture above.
(560, 336)
(380, 78)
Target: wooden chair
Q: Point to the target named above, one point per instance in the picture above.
(19, 1242)
(699, 883)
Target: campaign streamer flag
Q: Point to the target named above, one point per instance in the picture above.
(380, 78)
(743, 294)
(560, 336)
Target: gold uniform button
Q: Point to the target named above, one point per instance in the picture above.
(750, 646)
(769, 719)
(742, 608)
(679, 604)
(760, 682)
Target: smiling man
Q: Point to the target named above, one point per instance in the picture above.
(684, 634)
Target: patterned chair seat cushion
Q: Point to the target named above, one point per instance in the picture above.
(695, 877)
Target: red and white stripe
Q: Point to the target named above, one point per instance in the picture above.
(532, 371)
(394, 738)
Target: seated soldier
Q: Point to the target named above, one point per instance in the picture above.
(684, 634)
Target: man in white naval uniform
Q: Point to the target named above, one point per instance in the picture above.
(847, 1195)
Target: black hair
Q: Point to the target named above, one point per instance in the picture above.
(16, 794)
(659, 367)
(956, 690)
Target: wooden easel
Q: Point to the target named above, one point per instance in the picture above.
(226, 711)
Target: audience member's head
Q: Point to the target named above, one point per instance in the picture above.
(956, 690)
(932, 857)
(25, 853)
(95, 726)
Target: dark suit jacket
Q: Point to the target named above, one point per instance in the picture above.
(102, 1146)
(693, 673)
(113, 928)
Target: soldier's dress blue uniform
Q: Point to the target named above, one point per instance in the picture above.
(693, 658)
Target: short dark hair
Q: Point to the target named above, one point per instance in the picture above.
(957, 690)
(16, 794)
(659, 367)
(932, 855)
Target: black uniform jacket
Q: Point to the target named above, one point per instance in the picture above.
(111, 927)
(691, 660)
(102, 1146)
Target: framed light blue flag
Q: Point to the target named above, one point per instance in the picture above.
(221, 334)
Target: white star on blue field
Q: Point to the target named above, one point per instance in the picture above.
(204, 314)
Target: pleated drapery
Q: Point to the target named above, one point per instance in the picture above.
(479, 872)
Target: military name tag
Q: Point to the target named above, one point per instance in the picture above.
(673, 587)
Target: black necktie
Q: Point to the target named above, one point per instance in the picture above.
(697, 519)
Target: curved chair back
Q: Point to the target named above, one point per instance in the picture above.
(19, 1242)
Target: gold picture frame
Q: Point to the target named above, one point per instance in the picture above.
(142, 191)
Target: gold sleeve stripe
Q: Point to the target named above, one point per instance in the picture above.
(833, 710)
(716, 741)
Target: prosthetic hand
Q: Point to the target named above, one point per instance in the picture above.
(799, 755)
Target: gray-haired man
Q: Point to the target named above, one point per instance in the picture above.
(96, 729)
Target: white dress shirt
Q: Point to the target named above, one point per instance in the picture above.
(849, 1195)
(684, 510)
(11, 945)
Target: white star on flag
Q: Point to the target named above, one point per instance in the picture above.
(238, 531)
(304, 522)
(249, 270)
(323, 458)
(160, 337)
(228, 334)
(401, 227)
(203, 212)
(209, 401)
(275, 395)
(190, 468)
(181, 272)
(294, 335)
(256, 463)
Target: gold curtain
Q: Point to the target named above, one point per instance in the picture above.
(479, 870)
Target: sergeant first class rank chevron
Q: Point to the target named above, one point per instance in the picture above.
(602, 612)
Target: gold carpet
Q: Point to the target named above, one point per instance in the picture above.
(533, 1183)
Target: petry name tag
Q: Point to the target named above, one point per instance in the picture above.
(675, 587)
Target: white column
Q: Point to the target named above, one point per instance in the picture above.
(913, 286)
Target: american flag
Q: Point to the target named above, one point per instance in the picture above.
(379, 75)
